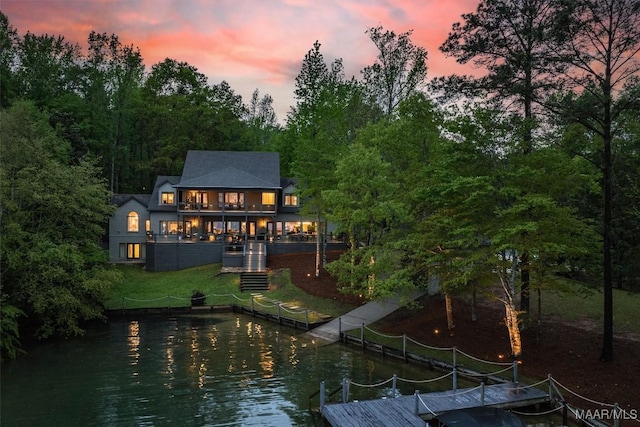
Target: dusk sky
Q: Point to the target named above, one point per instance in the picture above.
(252, 44)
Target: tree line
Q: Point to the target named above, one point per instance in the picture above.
(522, 180)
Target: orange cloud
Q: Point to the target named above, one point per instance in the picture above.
(248, 43)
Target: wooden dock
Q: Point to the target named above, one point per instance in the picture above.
(401, 411)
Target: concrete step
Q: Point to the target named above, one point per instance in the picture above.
(254, 282)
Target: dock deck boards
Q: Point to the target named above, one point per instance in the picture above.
(401, 410)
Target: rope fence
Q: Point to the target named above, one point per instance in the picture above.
(558, 404)
(470, 365)
(256, 303)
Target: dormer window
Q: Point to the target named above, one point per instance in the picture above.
(167, 198)
(290, 199)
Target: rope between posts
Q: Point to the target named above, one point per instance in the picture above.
(426, 381)
(425, 405)
(583, 397)
(508, 368)
(533, 385)
(144, 300)
(460, 393)
(382, 335)
(536, 414)
(263, 305)
(240, 299)
(371, 385)
(430, 347)
(291, 311)
(482, 360)
(347, 323)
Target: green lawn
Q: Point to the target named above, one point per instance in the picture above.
(577, 307)
(142, 289)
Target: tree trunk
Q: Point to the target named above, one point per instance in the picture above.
(524, 283)
(474, 304)
(449, 308)
(318, 248)
(607, 342)
(511, 320)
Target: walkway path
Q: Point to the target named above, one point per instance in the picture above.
(365, 314)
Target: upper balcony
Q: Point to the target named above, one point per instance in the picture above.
(252, 202)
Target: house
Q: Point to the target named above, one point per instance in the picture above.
(226, 206)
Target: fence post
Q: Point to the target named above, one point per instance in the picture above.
(279, 318)
(395, 382)
(321, 395)
(482, 393)
(252, 307)
(455, 371)
(455, 378)
(345, 390)
(417, 399)
(306, 317)
(616, 415)
(565, 414)
(340, 329)
(404, 346)
(550, 390)
(515, 372)
(362, 335)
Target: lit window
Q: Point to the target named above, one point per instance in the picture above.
(132, 222)
(268, 198)
(133, 250)
(290, 200)
(168, 227)
(167, 198)
(147, 226)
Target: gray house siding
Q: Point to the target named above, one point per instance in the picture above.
(118, 230)
(178, 256)
(190, 218)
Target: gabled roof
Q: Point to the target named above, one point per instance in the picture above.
(121, 199)
(231, 169)
(154, 201)
(285, 182)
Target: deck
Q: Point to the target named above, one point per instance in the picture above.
(401, 411)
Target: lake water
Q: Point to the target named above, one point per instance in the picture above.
(211, 370)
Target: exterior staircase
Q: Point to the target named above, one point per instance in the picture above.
(254, 281)
(255, 258)
(254, 276)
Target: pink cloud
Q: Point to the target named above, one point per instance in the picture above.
(250, 44)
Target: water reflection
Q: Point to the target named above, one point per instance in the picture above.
(194, 371)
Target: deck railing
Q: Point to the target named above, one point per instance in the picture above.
(449, 361)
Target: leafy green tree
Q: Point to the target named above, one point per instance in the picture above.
(114, 73)
(328, 112)
(365, 205)
(176, 95)
(513, 40)
(9, 331)
(472, 227)
(8, 57)
(53, 216)
(626, 202)
(602, 50)
(261, 120)
(47, 68)
(399, 71)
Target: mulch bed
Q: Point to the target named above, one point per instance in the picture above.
(570, 353)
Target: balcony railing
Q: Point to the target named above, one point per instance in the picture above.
(218, 208)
